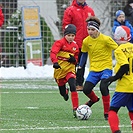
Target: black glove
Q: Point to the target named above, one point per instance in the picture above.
(71, 59)
(110, 80)
(56, 65)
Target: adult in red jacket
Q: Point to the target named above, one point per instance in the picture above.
(1, 16)
(77, 14)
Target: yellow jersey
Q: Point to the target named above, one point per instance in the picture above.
(99, 51)
(66, 66)
(124, 55)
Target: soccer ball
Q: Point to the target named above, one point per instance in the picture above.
(83, 112)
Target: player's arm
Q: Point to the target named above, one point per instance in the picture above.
(123, 70)
(54, 51)
(53, 54)
(83, 59)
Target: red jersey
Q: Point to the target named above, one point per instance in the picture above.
(60, 53)
(77, 14)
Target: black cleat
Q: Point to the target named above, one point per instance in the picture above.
(66, 97)
(106, 116)
(118, 131)
(90, 102)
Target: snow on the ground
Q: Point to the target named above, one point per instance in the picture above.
(31, 71)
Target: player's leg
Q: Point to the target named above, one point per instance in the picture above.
(119, 99)
(74, 95)
(105, 91)
(130, 108)
(105, 98)
(64, 92)
(88, 91)
(90, 83)
(71, 79)
(131, 118)
(113, 120)
(62, 88)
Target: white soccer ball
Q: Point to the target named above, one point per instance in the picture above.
(83, 112)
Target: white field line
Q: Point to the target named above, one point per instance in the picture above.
(29, 92)
(33, 92)
(58, 128)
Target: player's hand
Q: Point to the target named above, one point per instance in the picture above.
(109, 80)
(71, 59)
(56, 65)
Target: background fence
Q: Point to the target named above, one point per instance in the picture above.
(51, 13)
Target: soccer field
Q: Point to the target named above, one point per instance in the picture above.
(35, 106)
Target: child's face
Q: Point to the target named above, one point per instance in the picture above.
(93, 32)
(121, 18)
(70, 37)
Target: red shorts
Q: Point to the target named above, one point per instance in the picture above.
(64, 80)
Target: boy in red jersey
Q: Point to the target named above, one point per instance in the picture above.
(64, 55)
(123, 96)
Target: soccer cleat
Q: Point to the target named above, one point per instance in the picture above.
(66, 97)
(106, 116)
(74, 113)
(79, 88)
(90, 102)
(118, 131)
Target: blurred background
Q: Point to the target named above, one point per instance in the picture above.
(12, 49)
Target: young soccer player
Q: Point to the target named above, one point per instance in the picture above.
(64, 55)
(99, 47)
(123, 95)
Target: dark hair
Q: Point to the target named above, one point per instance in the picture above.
(93, 18)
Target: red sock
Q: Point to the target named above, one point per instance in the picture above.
(131, 118)
(92, 96)
(113, 121)
(74, 99)
(106, 103)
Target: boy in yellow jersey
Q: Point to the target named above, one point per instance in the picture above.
(123, 95)
(99, 48)
(64, 55)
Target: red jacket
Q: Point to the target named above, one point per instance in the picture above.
(1, 18)
(77, 15)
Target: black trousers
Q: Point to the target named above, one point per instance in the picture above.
(80, 73)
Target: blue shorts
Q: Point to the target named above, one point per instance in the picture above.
(121, 99)
(95, 77)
